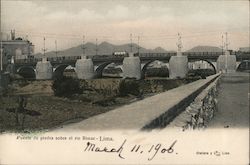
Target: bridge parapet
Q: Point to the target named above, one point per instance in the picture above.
(101, 58)
(201, 111)
(152, 112)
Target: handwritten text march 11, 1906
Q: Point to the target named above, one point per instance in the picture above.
(119, 150)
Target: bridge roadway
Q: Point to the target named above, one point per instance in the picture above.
(142, 114)
(145, 57)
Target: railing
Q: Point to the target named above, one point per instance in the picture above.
(62, 59)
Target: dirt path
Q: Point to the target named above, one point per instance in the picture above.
(233, 102)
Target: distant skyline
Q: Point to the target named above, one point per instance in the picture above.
(156, 22)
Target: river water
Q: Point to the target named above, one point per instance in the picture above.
(233, 102)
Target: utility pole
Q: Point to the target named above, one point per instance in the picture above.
(44, 50)
(226, 42)
(83, 45)
(56, 48)
(131, 45)
(1, 54)
(96, 48)
(226, 62)
(29, 54)
(138, 48)
(222, 44)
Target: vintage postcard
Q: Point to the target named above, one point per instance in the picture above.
(124, 82)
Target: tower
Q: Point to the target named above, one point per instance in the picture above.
(179, 45)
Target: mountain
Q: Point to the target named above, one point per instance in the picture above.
(159, 50)
(103, 48)
(205, 49)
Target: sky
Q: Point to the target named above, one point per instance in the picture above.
(156, 22)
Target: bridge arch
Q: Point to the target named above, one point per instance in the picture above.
(100, 69)
(58, 71)
(209, 62)
(244, 65)
(27, 72)
(144, 68)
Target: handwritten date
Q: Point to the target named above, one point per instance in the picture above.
(152, 151)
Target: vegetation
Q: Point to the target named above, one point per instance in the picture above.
(66, 87)
(203, 73)
(128, 86)
(157, 72)
(86, 99)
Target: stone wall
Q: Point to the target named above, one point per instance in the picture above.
(201, 111)
(147, 86)
(105, 86)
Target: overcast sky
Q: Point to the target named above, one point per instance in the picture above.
(156, 22)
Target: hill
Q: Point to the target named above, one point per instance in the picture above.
(103, 48)
(205, 49)
(159, 50)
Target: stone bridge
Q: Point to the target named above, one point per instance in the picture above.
(59, 64)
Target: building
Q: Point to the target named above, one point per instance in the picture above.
(244, 49)
(15, 48)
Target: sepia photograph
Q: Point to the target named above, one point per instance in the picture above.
(124, 82)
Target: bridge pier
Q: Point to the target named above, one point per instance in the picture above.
(85, 68)
(178, 66)
(132, 67)
(44, 70)
(226, 63)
